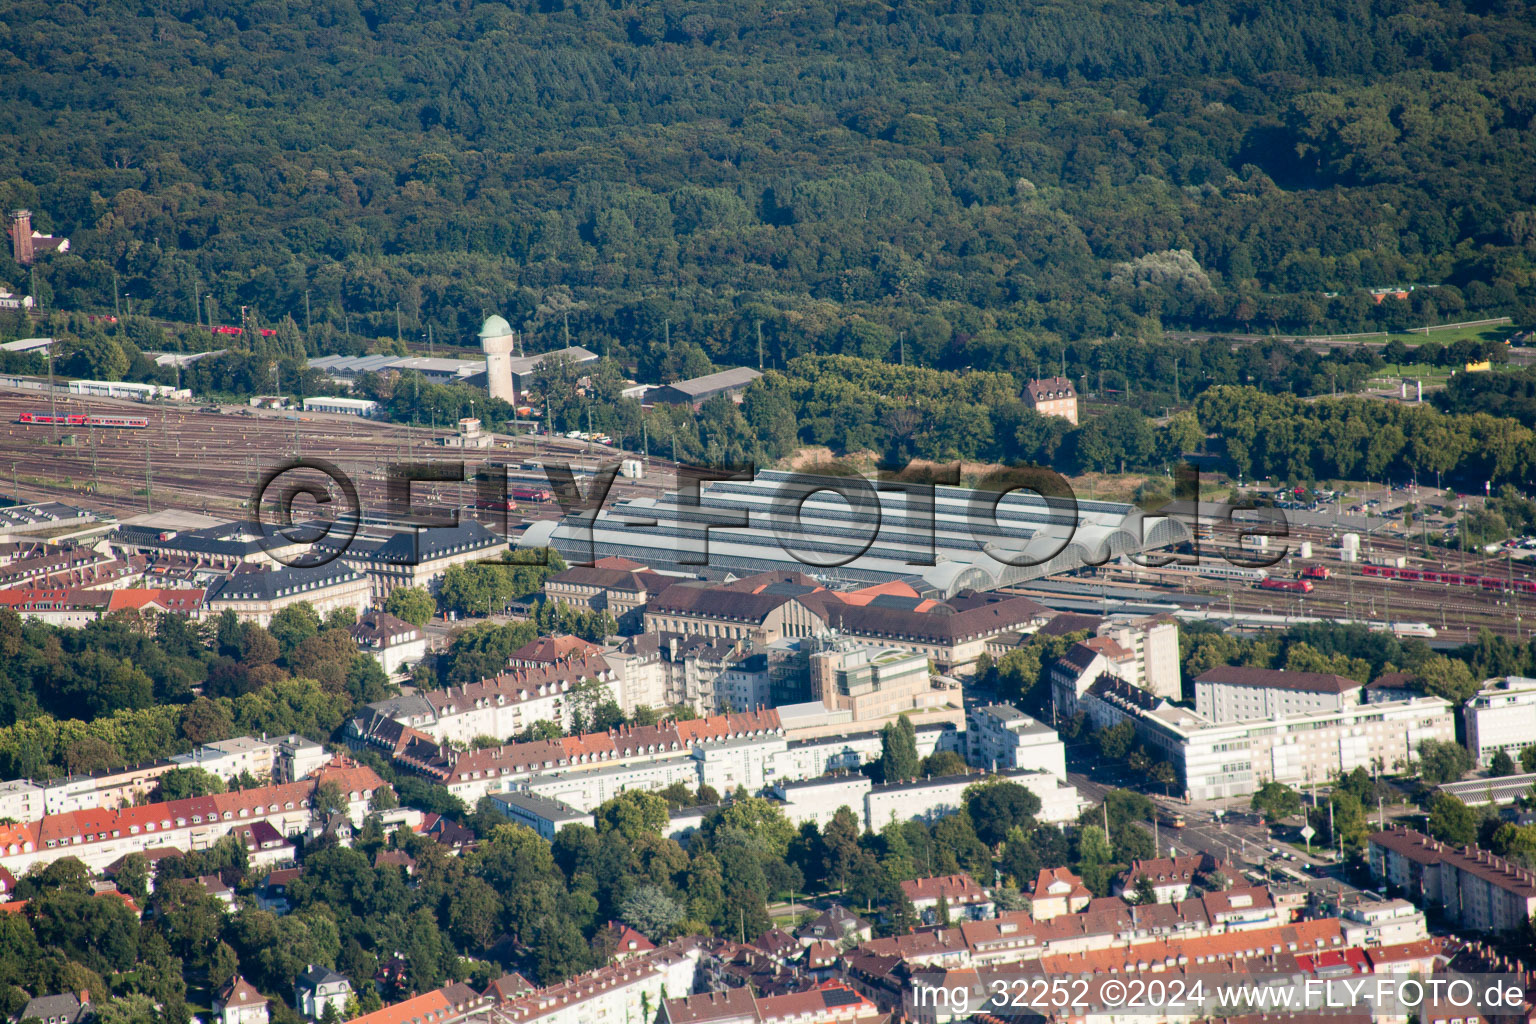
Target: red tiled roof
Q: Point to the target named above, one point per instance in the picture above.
(956, 889)
(423, 1009)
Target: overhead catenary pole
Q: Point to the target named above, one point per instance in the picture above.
(53, 398)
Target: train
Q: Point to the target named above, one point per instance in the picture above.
(1294, 586)
(1316, 572)
(1455, 579)
(75, 419)
(496, 505)
(528, 492)
(266, 332)
(1422, 629)
(1215, 569)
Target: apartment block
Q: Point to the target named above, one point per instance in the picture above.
(1471, 886)
(1002, 736)
(1230, 693)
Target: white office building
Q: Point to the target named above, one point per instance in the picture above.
(1502, 716)
(1221, 760)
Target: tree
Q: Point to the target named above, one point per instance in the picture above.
(413, 604)
(898, 751)
(1443, 761)
(1115, 742)
(1144, 893)
(1452, 821)
(751, 822)
(329, 800)
(474, 909)
(997, 806)
(943, 762)
(181, 783)
(133, 877)
(632, 813)
(293, 625)
(1276, 801)
(1450, 678)
(1501, 764)
(652, 912)
(1528, 760)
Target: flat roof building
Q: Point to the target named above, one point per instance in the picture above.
(697, 391)
(367, 408)
(1501, 716)
(545, 815)
(966, 539)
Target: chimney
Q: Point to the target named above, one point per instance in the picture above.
(21, 237)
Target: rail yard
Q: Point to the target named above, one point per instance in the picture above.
(194, 457)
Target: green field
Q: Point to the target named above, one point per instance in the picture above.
(1492, 332)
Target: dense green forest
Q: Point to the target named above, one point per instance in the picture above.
(972, 184)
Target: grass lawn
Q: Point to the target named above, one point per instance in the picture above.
(1491, 332)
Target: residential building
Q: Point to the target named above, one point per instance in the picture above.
(78, 606)
(500, 706)
(586, 789)
(545, 815)
(1002, 736)
(1231, 693)
(961, 896)
(258, 596)
(746, 683)
(238, 1002)
(1383, 922)
(837, 925)
(871, 682)
(394, 643)
(819, 799)
(625, 992)
(1172, 878)
(829, 1003)
(298, 757)
(67, 1008)
(100, 836)
(928, 800)
(318, 989)
(743, 763)
(1501, 716)
(1052, 396)
(1057, 891)
(1080, 666)
(265, 846)
(1154, 647)
(230, 759)
(21, 800)
(1473, 888)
